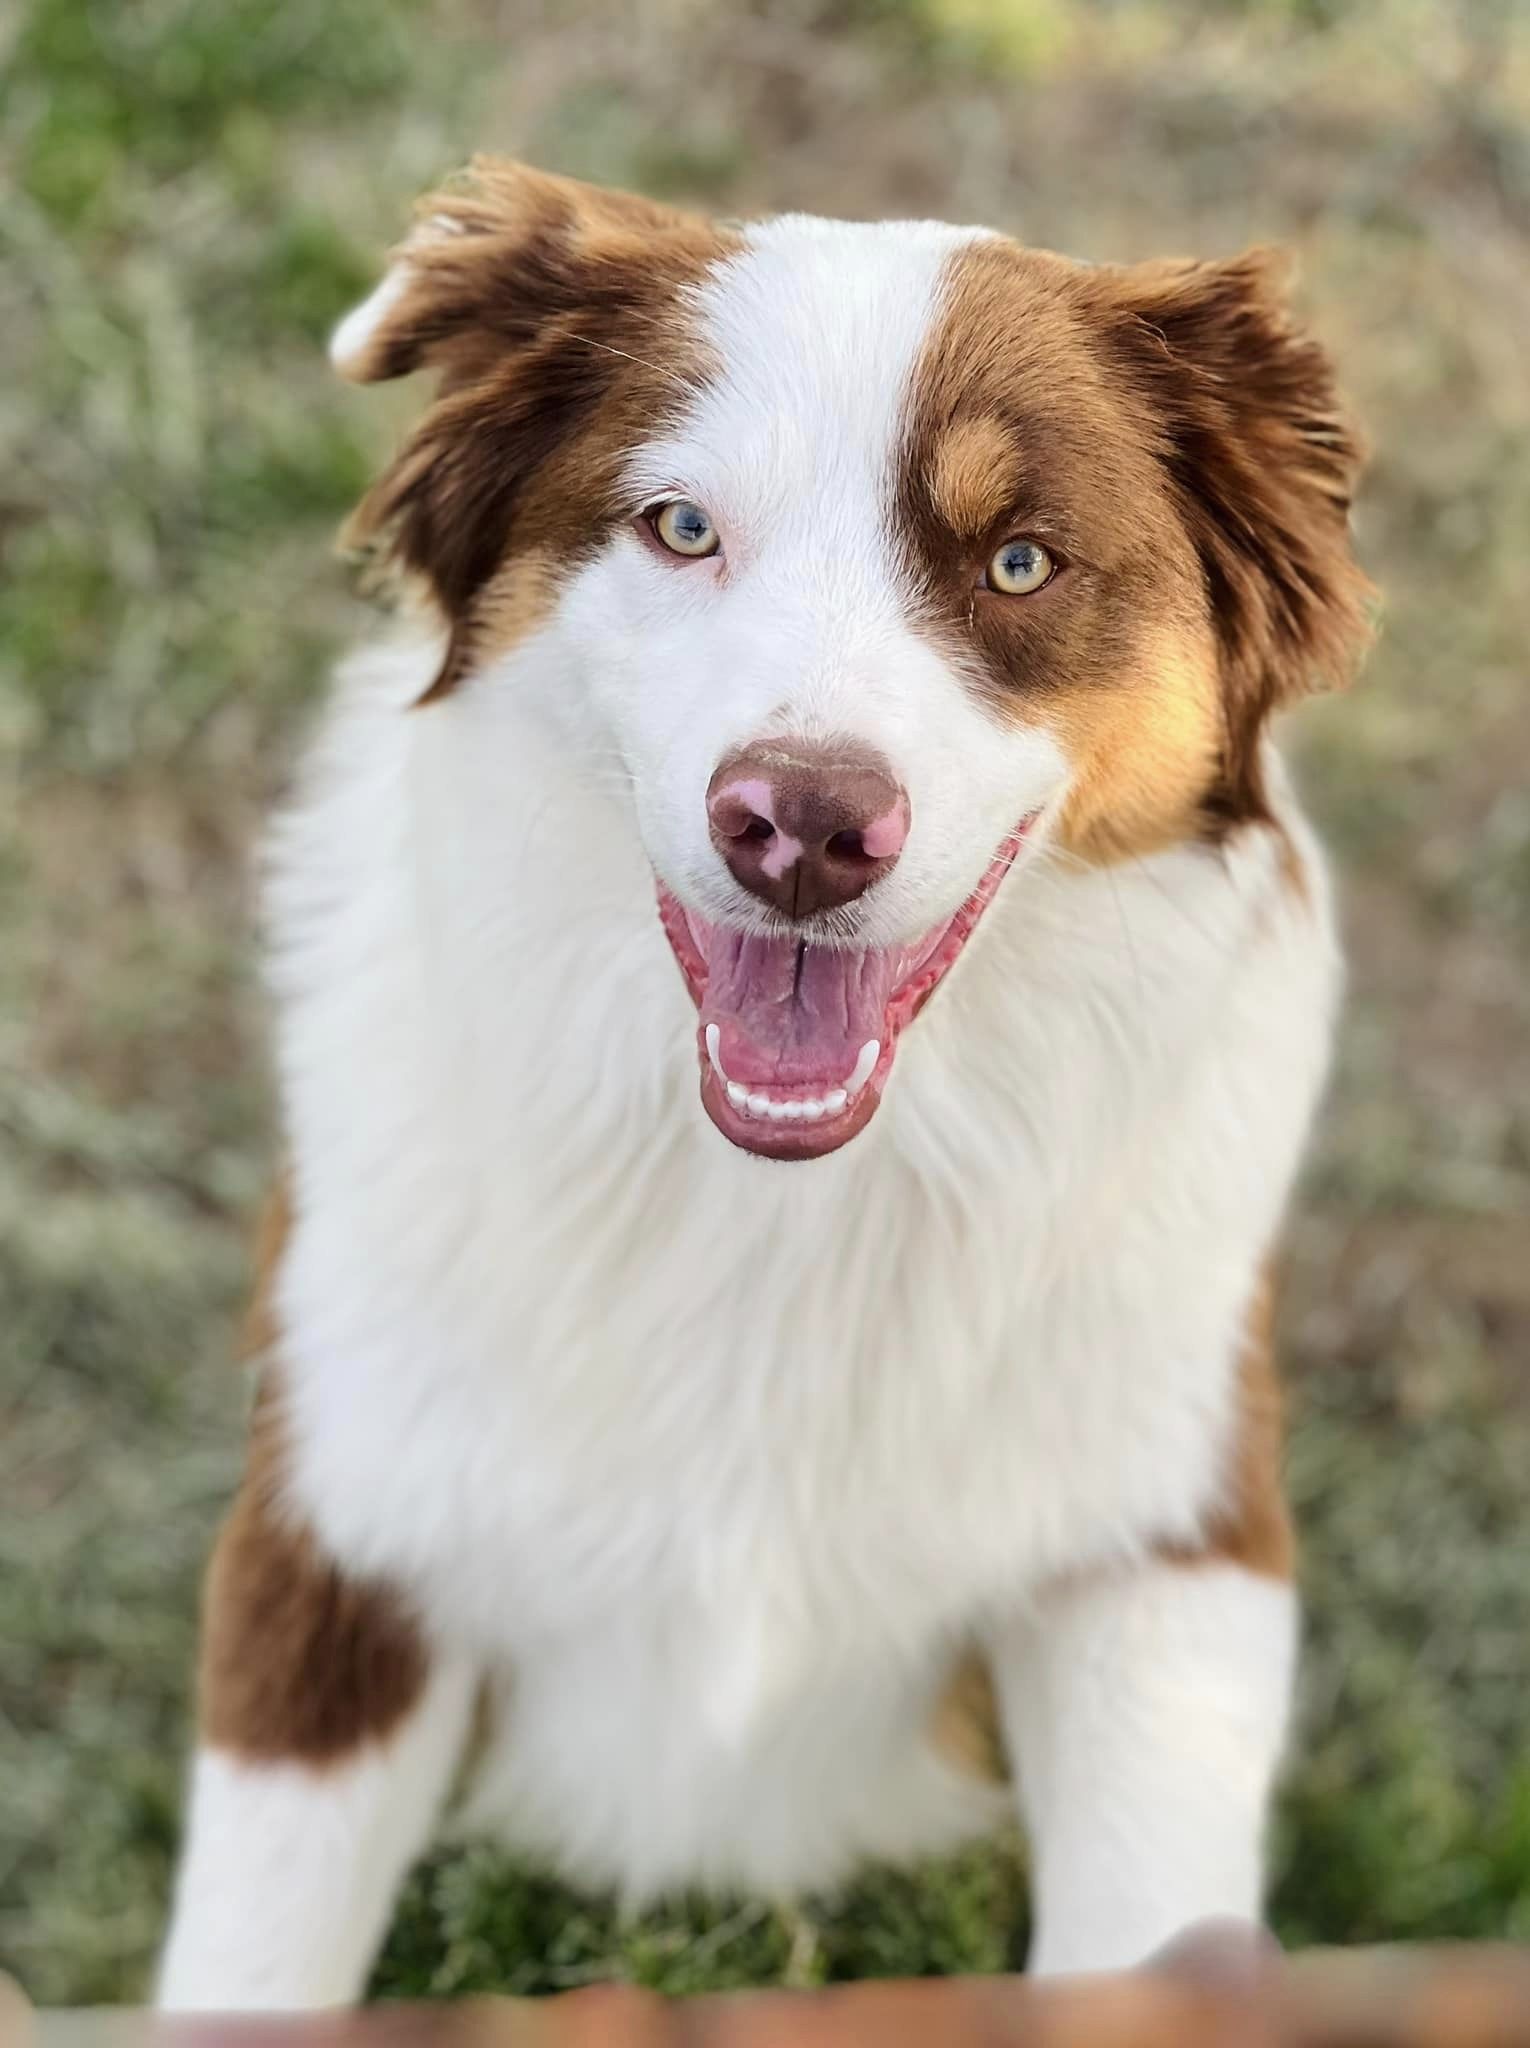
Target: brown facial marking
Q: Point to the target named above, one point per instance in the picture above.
(1142, 758)
(974, 475)
(1176, 446)
(518, 597)
(1250, 1524)
(552, 312)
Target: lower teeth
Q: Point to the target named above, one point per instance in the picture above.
(792, 1110)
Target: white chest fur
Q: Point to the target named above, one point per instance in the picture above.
(711, 1453)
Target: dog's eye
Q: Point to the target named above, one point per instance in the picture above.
(684, 528)
(1019, 567)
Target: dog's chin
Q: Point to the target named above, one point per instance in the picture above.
(790, 1137)
(796, 1042)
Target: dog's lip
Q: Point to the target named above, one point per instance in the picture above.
(771, 1140)
(932, 959)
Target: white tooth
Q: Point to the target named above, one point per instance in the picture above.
(736, 1095)
(834, 1101)
(760, 1104)
(794, 1110)
(778, 1112)
(863, 1066)
(812, 1109)
(714, 1041)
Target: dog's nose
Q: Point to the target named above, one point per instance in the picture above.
(807, 827)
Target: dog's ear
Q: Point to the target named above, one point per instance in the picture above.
(556, 319)
(493, 257)
(1263, 464)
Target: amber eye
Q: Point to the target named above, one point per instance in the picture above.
(684, 528)
(1019, 567)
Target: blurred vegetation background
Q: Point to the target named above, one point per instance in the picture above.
(193, 191)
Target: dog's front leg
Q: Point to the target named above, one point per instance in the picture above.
(329, 1734)
(1145, 1714)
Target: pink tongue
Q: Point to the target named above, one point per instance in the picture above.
(787, 1023)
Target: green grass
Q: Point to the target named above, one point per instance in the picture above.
(193, 194)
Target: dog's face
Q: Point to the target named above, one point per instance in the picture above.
(880, 557)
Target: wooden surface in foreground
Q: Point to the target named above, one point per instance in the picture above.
(1217, 1988)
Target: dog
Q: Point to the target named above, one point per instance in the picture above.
(801, 984)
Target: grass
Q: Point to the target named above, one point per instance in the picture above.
(193, 195)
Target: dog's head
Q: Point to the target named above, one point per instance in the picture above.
(879, 555)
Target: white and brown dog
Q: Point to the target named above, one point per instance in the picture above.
(811, 614)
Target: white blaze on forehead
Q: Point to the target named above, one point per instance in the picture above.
(816, 327)
(812, 341)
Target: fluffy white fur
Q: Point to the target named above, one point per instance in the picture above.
(711, 1463)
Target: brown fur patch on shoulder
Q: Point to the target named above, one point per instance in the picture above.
(1294, 875)
(300, 1663)
(1250, 1524)
(554, 315)
(260, 1330)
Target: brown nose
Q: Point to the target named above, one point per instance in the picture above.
(806, 827)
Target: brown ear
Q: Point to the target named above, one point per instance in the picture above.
(1263, 464)
(492, 256)
(549, 310)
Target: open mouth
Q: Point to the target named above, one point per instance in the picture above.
(796, 1041)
